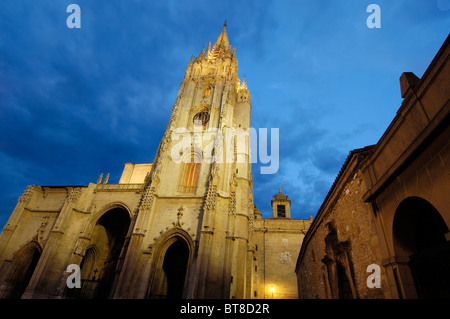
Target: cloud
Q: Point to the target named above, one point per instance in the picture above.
(75, 103)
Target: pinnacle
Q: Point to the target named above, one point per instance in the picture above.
(222, 43)
(243, 86)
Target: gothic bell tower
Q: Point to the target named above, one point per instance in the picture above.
(198, 194)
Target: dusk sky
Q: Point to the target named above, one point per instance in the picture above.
(75, 103)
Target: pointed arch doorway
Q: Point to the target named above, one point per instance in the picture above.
(174, 268)
(171, 267)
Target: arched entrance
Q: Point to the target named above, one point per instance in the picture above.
(170, 266)
(101, 257)
(24, 262)
(419, 234)
(174, 267)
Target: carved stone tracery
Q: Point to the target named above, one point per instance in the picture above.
(27, 194)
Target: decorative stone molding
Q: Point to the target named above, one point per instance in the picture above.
(201, 107)
(27, 194)
(42, 211)
(233, 180)
(148, 251)
(146, 179)
(174, 230)
(285, 257)
(80, 245)
(178, 223)
(92, 207)
(120, 188)
(214, 170)
(81, 212)
(74, 194)
(210, 201)
(232, 204)
(42, 227)
(251, 225)
(78, 250)
(147, 198)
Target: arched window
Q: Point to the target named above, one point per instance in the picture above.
(201, 119)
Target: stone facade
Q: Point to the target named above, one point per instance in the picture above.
(342, 240)
(408, 182)
(274, 252)
(180, 227)
(389, 205)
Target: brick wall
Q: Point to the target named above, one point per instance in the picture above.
(354, 223)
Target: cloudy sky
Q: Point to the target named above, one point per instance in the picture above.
(78, 102)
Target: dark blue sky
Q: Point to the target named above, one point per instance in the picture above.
(78, 102)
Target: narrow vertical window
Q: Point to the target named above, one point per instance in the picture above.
(189, 177)
(208, 91)
(281, 211)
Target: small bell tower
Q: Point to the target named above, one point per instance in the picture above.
(281, 205)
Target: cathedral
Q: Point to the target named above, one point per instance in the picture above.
(183, 226)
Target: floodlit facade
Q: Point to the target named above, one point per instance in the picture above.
(183, 226)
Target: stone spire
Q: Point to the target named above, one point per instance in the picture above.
(222, 44)
(218, 60)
